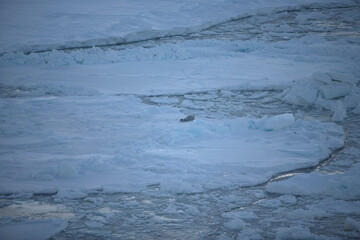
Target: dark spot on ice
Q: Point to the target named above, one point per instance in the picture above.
(188, 118)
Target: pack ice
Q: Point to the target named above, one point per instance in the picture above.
(91, 100)
(101, 143)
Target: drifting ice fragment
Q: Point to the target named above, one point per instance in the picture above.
(300, 95)
(335, 91)
(321, 77)
(296, 232)
(351, 225)
(339, 111)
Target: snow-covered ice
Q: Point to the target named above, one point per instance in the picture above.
(99, 142)
(338, 185)
(88, 23)
(91, 97)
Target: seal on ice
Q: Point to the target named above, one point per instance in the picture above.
(188, 118)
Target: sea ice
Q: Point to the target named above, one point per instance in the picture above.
(101, 143)
(70, 24)
(322, 90)
(241, 214)
(296, 232)
(32, 229)
(70, 194)
(312, 213)
(339, 185)
(335, 90)
(235, 224)
(79, 122)
(339, 111)
(288, 199)
(274, 123)
(351, 225)
(300, 95)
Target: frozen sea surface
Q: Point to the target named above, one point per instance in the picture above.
(91, 145)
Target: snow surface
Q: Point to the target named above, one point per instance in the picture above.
(100, 142)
